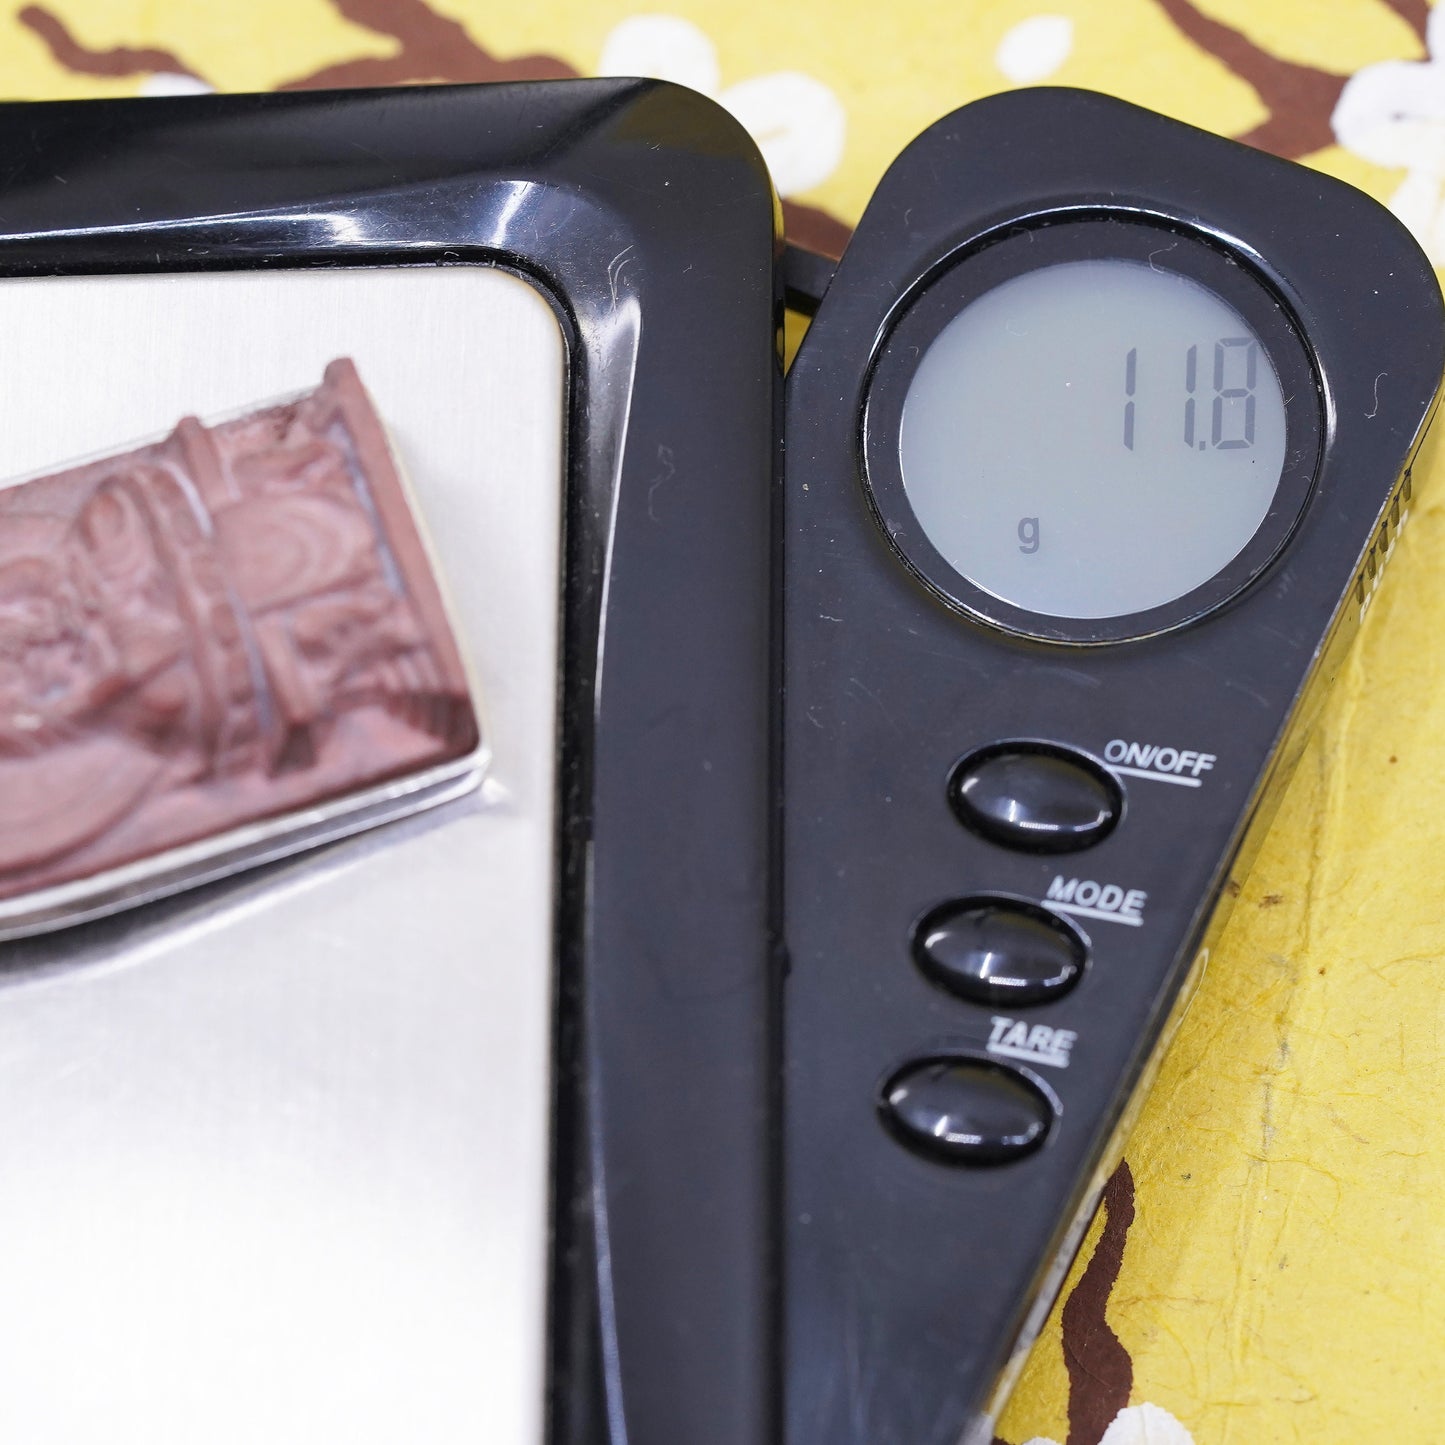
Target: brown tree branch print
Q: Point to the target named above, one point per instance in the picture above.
(116, 63)
(1101, 1372)
(1299, 99)
(1415, 14)
(430, 48)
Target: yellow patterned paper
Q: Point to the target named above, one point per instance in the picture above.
(1270, 1264)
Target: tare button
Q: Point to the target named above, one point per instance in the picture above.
(963, 1110)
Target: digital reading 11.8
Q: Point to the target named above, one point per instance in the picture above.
(1093, 438)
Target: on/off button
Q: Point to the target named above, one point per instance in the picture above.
(1038, 797)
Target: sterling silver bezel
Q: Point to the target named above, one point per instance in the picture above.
(239, 849)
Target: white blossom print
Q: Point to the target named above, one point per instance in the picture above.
(1035, 48)
(1137, 1425)
(799, 124)
(662, 47)
(1393, 114)
(170, 82)
(1146, 1425)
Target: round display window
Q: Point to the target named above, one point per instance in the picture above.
(1092, 431)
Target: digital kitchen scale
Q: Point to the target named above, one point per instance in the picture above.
(517, 927)
(1095, 452)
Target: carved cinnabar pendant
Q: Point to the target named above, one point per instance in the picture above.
(214, 650)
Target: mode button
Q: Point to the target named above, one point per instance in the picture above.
(994, 950)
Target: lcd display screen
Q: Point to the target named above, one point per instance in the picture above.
(1093, 438)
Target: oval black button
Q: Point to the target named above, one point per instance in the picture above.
(966, 1111)
(1038, 797)
(999, 951)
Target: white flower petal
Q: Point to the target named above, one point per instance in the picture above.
(1146, 1425)
(1435, 33)
(662, 47)
(1041, 1440)
(168, 82)
(798, 123)
(1393, 114)
(1035, 48)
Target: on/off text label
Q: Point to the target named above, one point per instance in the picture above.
(1158, 762)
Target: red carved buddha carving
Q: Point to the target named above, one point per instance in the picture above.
(234, 623)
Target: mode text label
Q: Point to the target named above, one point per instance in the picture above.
(1098, 900)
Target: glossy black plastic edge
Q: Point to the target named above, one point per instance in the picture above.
(1047, 239)
(1022, 154)
(626, 202)
(1085, 762)
(1078, 941)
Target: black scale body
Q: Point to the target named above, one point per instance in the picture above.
(913, 1281)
